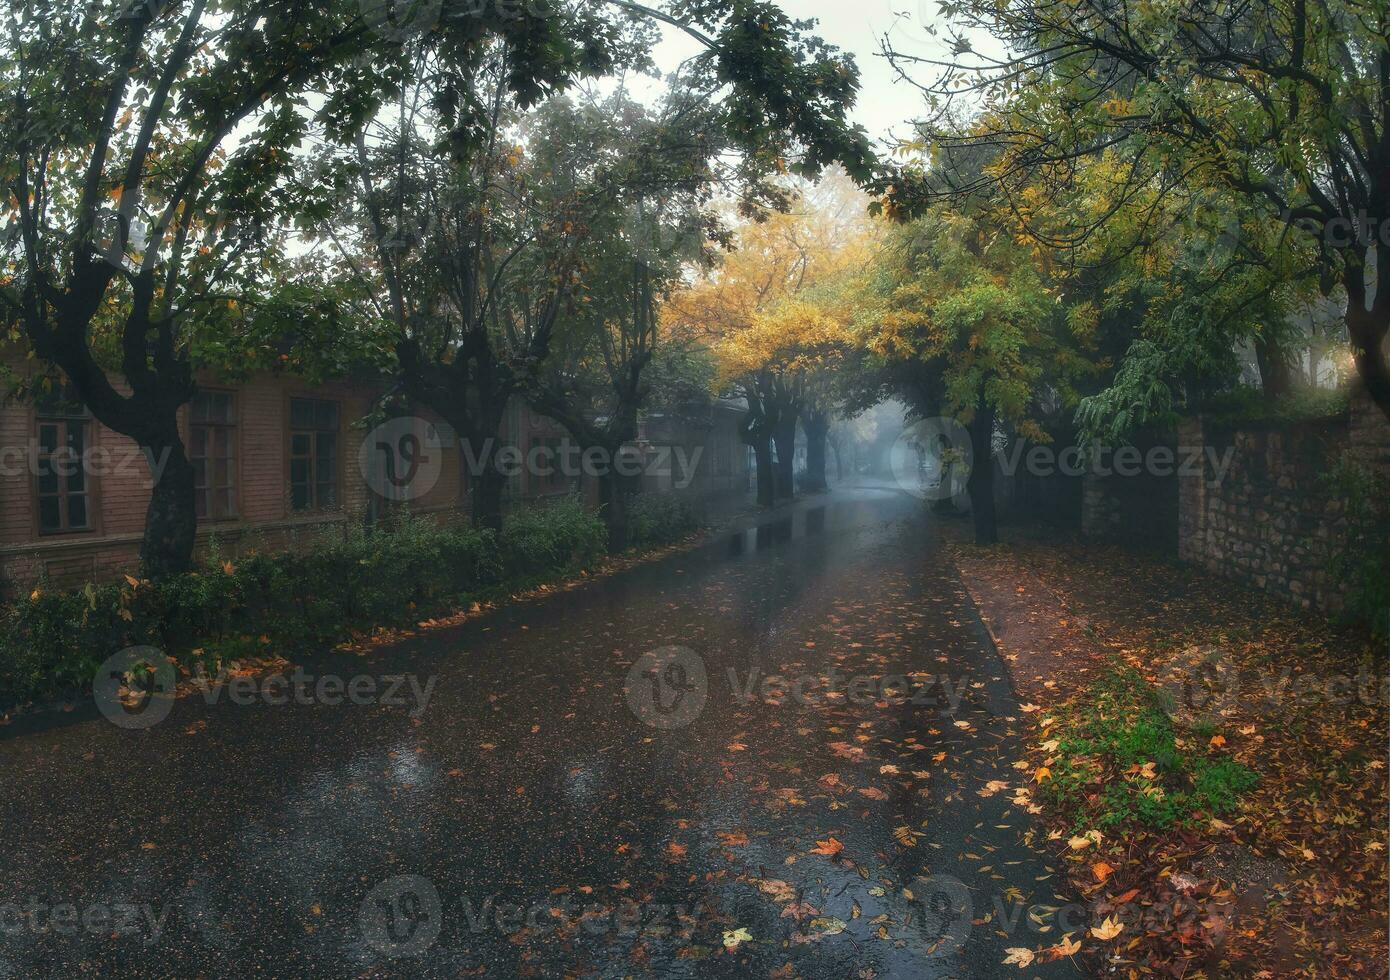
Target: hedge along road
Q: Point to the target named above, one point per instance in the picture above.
(788, 752)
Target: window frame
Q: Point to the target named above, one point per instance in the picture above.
(234, 445)
(339, 483)
(39, 416)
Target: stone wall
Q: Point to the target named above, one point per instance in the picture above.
(1130, 496)
(1260, 510)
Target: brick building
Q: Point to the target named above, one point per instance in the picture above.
(277, 460)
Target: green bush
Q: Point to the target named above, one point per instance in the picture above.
(556, 538)
(1361, 562)
(660, 518)
(1121, 762)
(307, 599)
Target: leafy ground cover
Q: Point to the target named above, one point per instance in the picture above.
(1210, 762)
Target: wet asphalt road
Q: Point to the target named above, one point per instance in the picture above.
(563, 805)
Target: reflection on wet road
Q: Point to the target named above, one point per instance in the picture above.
(788, 753)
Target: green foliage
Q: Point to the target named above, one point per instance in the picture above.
(562, 536)
(286, 603)
(1250, 406)
(1121, 761)
(1362, 563)
(660, 518)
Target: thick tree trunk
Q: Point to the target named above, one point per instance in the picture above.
(171, 523)
(784, 436)
(817, 428)
(762, 454)
(1276, 376)
(614, 499)
(487, 496)
(1367, 329)
(981, 481)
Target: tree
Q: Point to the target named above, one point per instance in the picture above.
(776, 263)
(1281, 104)
(960, 312)
(149, 154)
(651, 223)
(147, 150)
(477, 241)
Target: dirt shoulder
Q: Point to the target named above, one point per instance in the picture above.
(1292, 882)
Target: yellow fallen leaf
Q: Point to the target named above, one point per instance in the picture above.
(1019, 956)
(1108, 929)
(734, 937)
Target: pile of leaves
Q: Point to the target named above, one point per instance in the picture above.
(1212, 768)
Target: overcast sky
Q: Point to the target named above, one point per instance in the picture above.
(886, 104)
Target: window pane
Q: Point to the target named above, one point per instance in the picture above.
(299, 496)
(301, 444)
(301, 413)
(326, 415)
(327, 494)
(48, 514)
(299, 471)
(200, 504)
(48, 480)
(200, 473)
(225, 506)
(77, 478)
(48, 438)
(77, 511)
(200, 441)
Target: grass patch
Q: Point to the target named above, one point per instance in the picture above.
(1120, 761)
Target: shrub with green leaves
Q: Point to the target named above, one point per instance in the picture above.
(660, 518)
(1361, 562)
(1121, 761)
(302, 600)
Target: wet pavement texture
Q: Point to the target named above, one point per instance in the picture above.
(787, 753)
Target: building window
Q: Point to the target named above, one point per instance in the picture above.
(313, 454)
(64, 490)
(212, 431)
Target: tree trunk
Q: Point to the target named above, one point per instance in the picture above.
(981, 481)
(817, 428)
(784, 436)
(762, 453)
(171, 523)
(1367, 329)
(613, 497)
(1276, 376)
(487, 496)
(839, 462)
